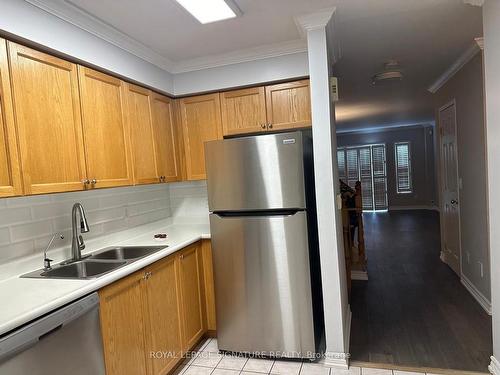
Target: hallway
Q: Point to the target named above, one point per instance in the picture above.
(414, 311)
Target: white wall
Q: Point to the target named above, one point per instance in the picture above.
(467, 87)
(27, 223)
(333, 271)
(27, 21)
(242, 74)
(491, 25)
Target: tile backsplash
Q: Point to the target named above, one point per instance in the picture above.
(27, 223)
(189, 202)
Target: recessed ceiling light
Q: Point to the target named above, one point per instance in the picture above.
(207, 11)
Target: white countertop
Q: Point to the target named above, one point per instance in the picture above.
(26, 299)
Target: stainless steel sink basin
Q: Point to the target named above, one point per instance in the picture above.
(126, 253)
(82, 270)
(98, 264)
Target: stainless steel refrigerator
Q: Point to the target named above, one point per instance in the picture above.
(265, 248)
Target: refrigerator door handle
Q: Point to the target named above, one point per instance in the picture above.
(285, 212)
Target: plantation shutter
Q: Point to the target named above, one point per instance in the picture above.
(379, 177)
(403, 167)
(341, 163)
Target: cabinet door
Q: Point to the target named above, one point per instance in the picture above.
(140, 124)
(10, 179)
(208, 283)
(191, 293)
(105, 129)
(201, 122)
(163, 314)
(243, 111)
(122, 326)
(47, 108)
(165, 136)
(288, 105)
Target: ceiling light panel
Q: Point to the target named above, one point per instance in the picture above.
(207, 11)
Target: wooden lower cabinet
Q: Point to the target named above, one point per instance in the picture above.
(163, 316)
(150, 318)
(208, 284)
(191, 292)
(122, 326)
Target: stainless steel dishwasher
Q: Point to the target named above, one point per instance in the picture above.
(66, 341)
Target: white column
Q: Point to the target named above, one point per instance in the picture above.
(337, 312)
(491, 24)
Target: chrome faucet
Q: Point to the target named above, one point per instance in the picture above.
(77, 244)
(46, 260)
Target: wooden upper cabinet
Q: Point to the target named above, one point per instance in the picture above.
(201, 122)
(107, 150)
(191, 295)
(123, 326)
(140, 123)
(165, 137)
(10, 179)
(243, 111)
(163, 314)
(288, 105)
(47, 108)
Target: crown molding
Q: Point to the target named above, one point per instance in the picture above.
(313, 21)
(388, 127)
(454, 68)
(241, 56)
(78, 17)
(69, 12)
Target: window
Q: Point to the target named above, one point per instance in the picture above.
(403, 167)
(365, 164)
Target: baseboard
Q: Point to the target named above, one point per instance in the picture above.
(359, 275)
(336, 360)
(417, 207)
(480, 298)
(494, 366)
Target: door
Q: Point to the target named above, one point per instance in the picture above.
(142, 139)
(190, 286)
(201, 122)
(272, 165)
(47, 108)
(449, 187)
(244, 111)
(163, 315)
(262, 283)
(122, 326)
(165, 136)
(105, 132)
(10, 178)
(288, 105)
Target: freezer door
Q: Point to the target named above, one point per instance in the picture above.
(256, 173)
(262, 285)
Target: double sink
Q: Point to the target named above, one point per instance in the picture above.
(97, 264)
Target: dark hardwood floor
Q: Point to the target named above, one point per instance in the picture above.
(414, 311)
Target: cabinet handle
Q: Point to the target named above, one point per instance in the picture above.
(263, 126)
(147, 275)
(93, 181)
(86, 181)
(181, 256)
(270, 126)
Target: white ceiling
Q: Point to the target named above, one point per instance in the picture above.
(426, 36)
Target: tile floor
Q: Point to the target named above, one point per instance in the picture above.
(207, 360)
